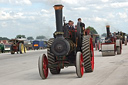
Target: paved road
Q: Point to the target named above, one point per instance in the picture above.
(23, 70)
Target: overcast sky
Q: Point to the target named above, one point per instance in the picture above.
(36, 17)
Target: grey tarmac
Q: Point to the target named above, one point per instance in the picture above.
(22, 69)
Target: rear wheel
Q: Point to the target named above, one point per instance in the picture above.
(79, 64)
(88, 53)
(51, 58)
(43, 66)
(21, 48)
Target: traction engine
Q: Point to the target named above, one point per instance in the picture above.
(67, 48)
(112, 44)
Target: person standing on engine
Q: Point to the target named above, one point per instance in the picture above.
(82, 25)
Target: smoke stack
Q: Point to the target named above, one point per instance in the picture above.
(108, 30)
(58, 14)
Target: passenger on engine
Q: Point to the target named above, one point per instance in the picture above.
(70, 25)
(75, 27)
(82, 25)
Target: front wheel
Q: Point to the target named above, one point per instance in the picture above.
(43, 66)
(79, 64)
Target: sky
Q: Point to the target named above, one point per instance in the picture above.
(37, 17)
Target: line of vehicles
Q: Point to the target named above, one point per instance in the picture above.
(112, 43)
(22, 45)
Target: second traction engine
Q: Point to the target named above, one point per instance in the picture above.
(111, 45)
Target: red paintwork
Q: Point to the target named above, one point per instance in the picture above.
(113, 39)
(15, 48)
(45, 66)
(87, 31)
(70, 32)
(92, 57)
(81, 65)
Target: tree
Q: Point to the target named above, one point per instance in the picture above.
(30, 38)
(104, 35)
(20, 36)
(41, 37)
(0, 38)
(4, 38)
(92, 30)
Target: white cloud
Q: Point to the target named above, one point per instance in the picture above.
(119, 4)
(10, 15)
(18, 15)
(104, 0)
(4, 15)
(21, 2)
(98, 19)
(71, 1)
(44, 11)
(50, 1)
(4, 24)
(17, 2)
(123, 15)
(80, 8)
(110, 15)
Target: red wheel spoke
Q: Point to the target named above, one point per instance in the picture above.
(45, 68)
(81, 65)
(92, 51)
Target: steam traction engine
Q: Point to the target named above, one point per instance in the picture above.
(111, 45)
(67, 48)
(17, 46)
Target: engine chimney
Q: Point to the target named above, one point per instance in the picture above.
(58, 14)
(108, 31)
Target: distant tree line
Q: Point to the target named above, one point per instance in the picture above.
(30, 37)
(20, 36)
(4, 38)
